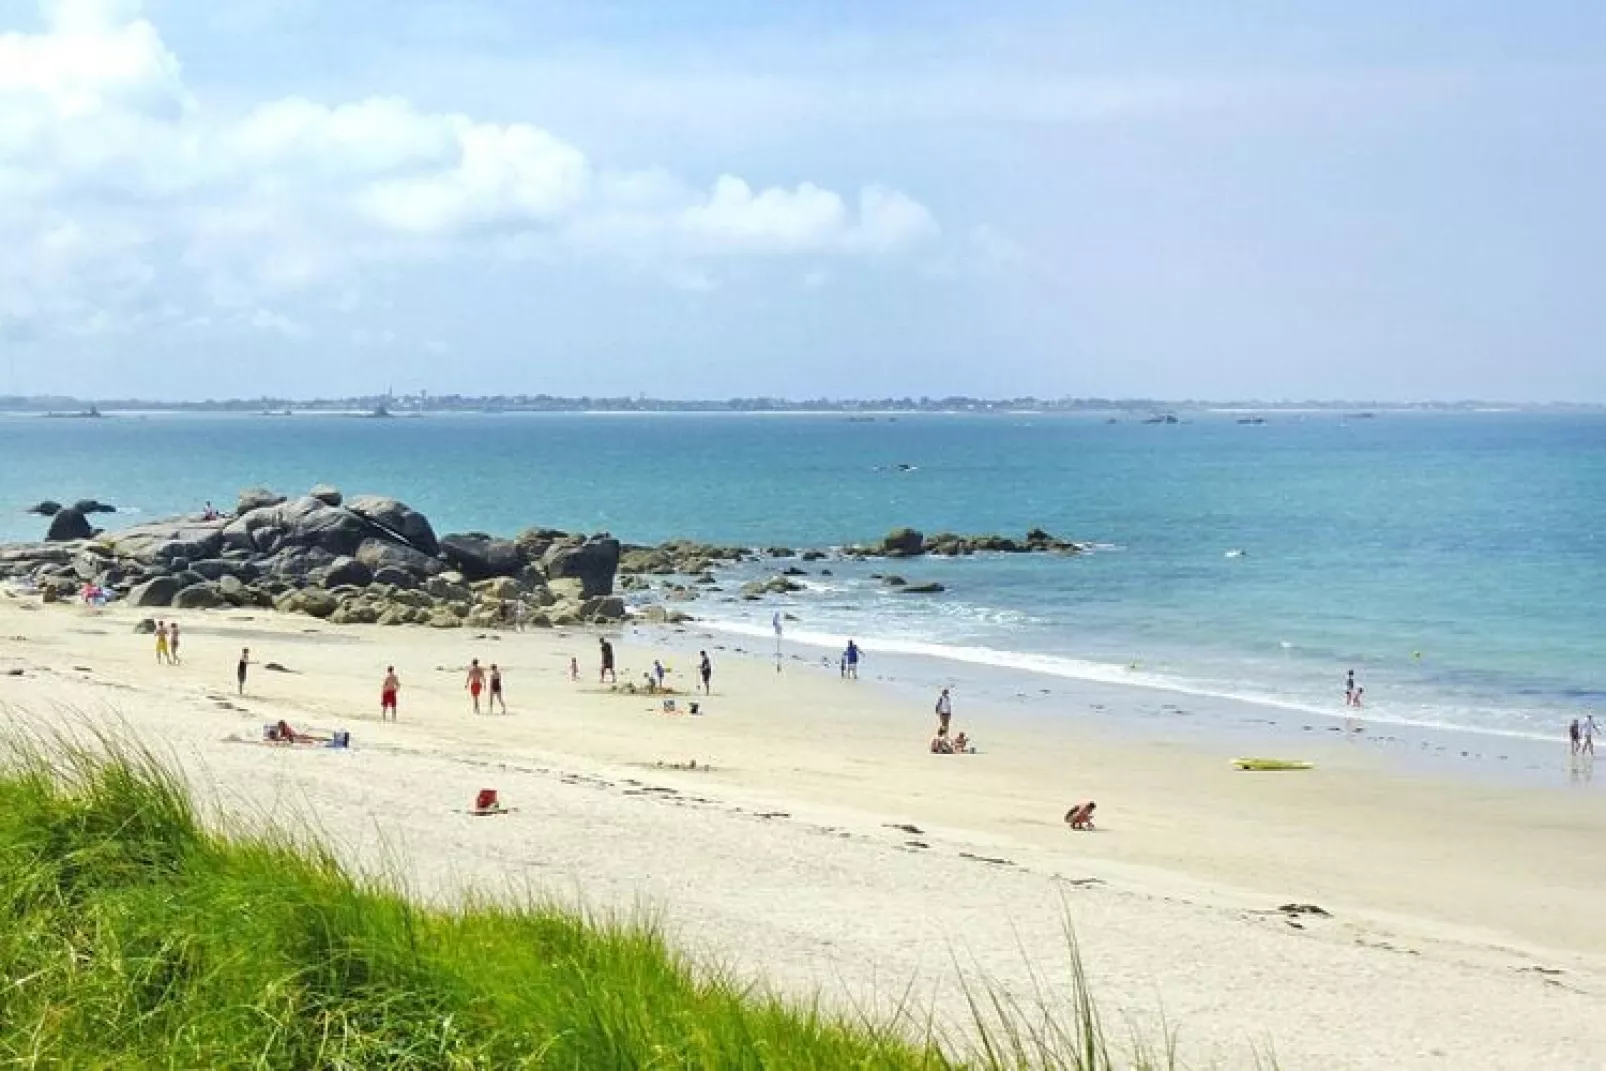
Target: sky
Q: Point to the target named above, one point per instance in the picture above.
(718, 198)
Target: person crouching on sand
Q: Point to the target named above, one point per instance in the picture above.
(1080, 817)
(388, 692)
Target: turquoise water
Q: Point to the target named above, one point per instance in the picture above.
(1472, 540)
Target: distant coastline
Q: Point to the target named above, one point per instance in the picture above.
(867, 408)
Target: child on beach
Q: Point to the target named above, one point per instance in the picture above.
(172, 644)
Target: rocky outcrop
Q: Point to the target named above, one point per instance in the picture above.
(93, 505)
(202, 596)
(903, 543)
(47, 508)
(593, 562)
(328, 495)
(68, 525)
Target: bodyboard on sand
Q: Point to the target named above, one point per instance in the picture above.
(1273, 764)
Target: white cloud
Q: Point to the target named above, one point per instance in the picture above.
(111, 173)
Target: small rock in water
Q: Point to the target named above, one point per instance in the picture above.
(274, 667)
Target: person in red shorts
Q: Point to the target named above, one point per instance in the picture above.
(475, 683)
(387, 694)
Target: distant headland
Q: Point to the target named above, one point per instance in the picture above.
(382, 405)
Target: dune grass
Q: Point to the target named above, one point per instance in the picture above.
(135, 937)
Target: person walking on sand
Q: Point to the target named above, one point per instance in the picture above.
(496, 691)
(658, 673)
(1588, 731)
(574, 668)
(945, 712)
(1575, 735)
(240, 670)
(388, 692)
(606, 673)
(162, 655)
(850, 661)
(705, 670)
(172, 645)
(475, 683)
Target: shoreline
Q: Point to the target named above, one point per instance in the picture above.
(787, 854)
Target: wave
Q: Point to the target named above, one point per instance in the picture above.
(1131, 675)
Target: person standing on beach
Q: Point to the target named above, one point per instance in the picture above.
(475, 683)
(240, 670)
(388, 692)
(1575, 735)
(496, 691)
(606, 673)
(850, 661)
(945, 712)
(1588, 730)
(658, 673)
(172, 645)
(574, 668)
(705, 670)
(162, 657)
(1349, 689)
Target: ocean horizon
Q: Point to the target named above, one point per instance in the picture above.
(1452, 560)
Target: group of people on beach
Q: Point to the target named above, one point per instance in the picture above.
(1581, 735)
(942, 743)
(1352, 693)
(167, 643)
(477, 682)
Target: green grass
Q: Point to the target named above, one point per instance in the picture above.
(133, 936)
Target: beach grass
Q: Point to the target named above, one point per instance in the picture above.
(137, 936)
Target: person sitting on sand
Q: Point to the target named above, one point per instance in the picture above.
(284, 734)
(940, 744)
(1080, 817)
(962, 745)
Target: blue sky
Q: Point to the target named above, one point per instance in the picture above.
(1364, 200)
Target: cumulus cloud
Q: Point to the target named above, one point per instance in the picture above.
(112, 173)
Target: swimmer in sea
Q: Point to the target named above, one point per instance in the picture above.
(475, 683)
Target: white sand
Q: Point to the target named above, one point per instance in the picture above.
(781, 859)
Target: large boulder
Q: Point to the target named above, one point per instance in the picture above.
(903, 543)
(398, 519)
(306, 522)
(326, 493)
(347, 571)
(390, 576)
(380, 554)
(167, 541)
(158, 591)
(93, 505)
(48, 508)
(593, 563)
(298, 563)
(480, 557)
(203, 596)
(535, 542)
(314, 602)
(68, 525)
(257, 498)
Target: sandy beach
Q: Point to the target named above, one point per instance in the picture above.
(817, 843)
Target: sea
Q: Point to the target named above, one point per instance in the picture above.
(1455, 561)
